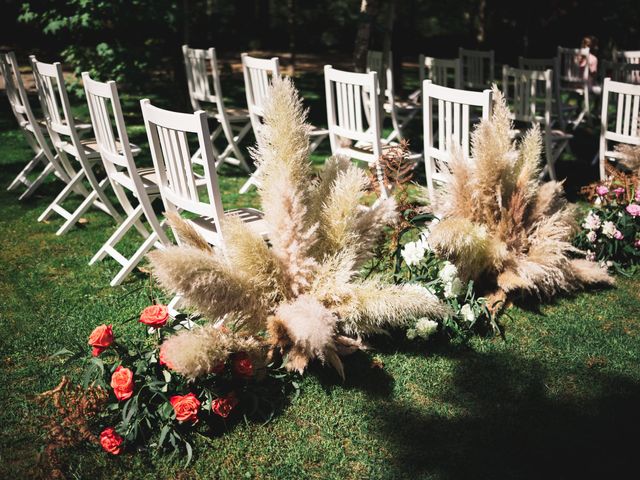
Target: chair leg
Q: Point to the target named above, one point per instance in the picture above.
(120, 232)
(37, 182)
(174, 305)
(93, 198)
(22, 176)
(135, 259)
(56, 205)
(251, 182)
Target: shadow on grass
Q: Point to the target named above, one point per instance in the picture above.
(513, 418)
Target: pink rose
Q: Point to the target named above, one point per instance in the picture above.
(618, 191)
(633, 210)
(618, 235)
(637, 244)
(602, 190)
(638, 195)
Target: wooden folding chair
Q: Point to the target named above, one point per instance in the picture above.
(117, 158)
(31, 127)
(447, 73)
(169, 134)
(477, 68)
(448, 118)
(401, 112)
(621, 71)
(529, 93)
(258, 75)
(205, 93)
(630, 57)
(572, 78)
(624, 101)
(66, 141)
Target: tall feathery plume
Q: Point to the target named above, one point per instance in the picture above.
(504, 229)
(300, 292)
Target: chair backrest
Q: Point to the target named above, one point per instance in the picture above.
(258, 75)
(203, 79)
(526, 63)
(13, 81)
(628, 56)
(451, 113)
(106, 112)
(477, 68)
(568, 70)
(55, 102)
(529, 94)
(621, 71)
(345, 113)
(447, 73)
(620, 116)
(169, 133)
(376, 63)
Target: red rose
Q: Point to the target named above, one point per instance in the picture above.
(242, 365)
(122, 383)
(186, 407)
(100, 339)
(162, 358)
(155, 316)
(111, 442)
(223, 405)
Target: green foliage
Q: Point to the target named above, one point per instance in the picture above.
(118, 40)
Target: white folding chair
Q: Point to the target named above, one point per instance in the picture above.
(169, 134)
(630, 57)
(205, 93)
(258, 74)
(353, 133)
(525, 63)
(477, 68)
(66, 141)
(401, 112)
(572, 78)
(31, 127)
(621, 71)
(447, 73)
(448, 118)
(117, 158)
(529, 93)
(624, 100)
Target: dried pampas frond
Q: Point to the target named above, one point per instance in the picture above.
(502, 228)
(301, 287)
(201, 350)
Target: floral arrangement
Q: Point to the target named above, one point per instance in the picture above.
(611, 228)
(417, 262)
(132, 397)
(504, 229)
(300, 296)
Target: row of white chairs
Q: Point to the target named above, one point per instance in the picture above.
(354, 130)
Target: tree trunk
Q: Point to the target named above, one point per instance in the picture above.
(480, 22)
(368, 11)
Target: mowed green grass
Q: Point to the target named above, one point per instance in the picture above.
(557, 398)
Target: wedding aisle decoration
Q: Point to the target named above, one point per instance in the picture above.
(610, 231)
(298, 297)
(502, 227)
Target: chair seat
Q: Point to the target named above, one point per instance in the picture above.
(367, 148)
(559, 135)
(403, 105)
(233, 114)
(250, 216)
(90, 148)
(318, 131)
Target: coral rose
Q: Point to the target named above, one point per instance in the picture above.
(100, 339)
(242, 365)
(155, 316)
(223, 405)
(122, 383)
(186, 407)
(111, 442)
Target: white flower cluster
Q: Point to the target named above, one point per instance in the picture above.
(413, 252)
(591, 221)
(452, 284)
(609, 229)
(467, 313)
(424, 329)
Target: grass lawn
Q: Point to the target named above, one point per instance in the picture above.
(557, 398)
